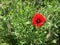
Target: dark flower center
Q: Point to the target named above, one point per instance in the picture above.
(38, 20)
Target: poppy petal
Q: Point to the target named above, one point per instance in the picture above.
(38, 20)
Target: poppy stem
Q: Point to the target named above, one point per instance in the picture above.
(34, 28)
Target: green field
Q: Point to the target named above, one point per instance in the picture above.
(16, 22)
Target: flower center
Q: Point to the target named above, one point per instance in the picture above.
(38, 21)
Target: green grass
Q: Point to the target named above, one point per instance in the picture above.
(16, 27)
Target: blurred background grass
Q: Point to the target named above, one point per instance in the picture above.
(16, 27)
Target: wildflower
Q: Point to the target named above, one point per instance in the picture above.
(38, 20)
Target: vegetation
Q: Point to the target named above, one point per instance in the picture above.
(16, 27)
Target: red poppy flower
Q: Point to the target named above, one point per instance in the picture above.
(38, 20)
